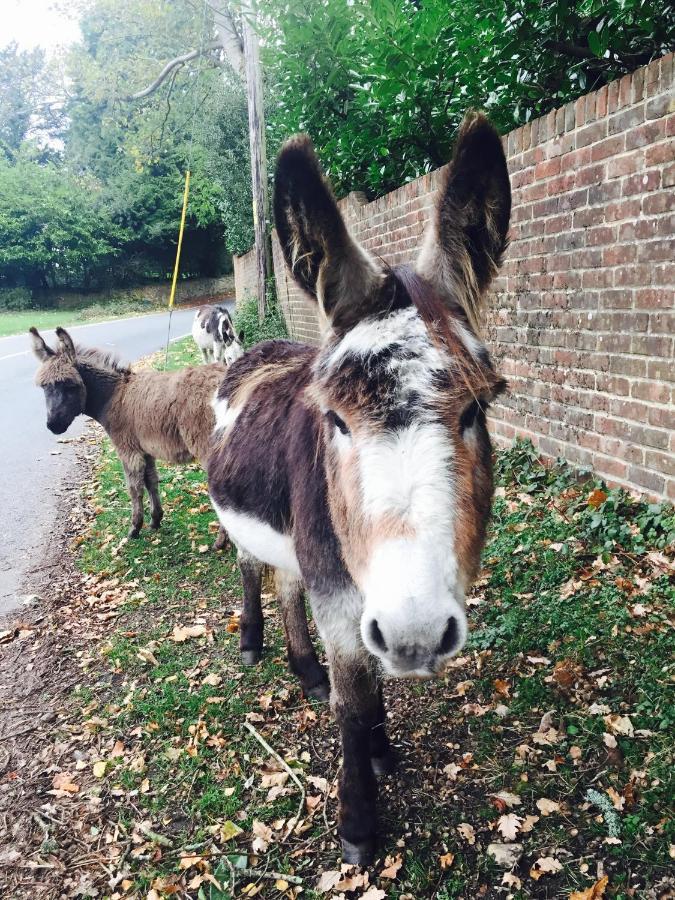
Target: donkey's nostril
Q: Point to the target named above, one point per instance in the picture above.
(450, 635)
(377, 637)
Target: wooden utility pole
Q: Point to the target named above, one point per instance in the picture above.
(256, 126)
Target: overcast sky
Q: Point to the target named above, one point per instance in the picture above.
(33, 23)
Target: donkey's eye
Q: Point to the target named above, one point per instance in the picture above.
(475, 411)
(339, 423)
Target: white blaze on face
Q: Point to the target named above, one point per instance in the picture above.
(411, 583)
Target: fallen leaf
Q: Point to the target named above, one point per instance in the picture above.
(545, 865)
(546, 807)
(596, 498)
(327, 881)
(609, 741)
(467, 832)
(281, 884)
(528, 823)
(392, 865)
(505, 855)
(447, 860)
(263, 836)
(229, 830)
(182, 634)
(99, 768)
(591, 893)
(62, 781)
(452, 770)
(373, 893)
(212, 679)
(509, 825)
(186, 862)
(619, 725)
(508, 798)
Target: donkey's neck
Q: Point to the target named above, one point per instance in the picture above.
(101, 384)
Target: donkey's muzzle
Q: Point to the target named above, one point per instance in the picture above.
(407, 656)
(57, 426)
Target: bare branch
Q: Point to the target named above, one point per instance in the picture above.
(230, 39)
(171, 66)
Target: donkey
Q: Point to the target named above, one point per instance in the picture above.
(363, 468)
(213, 332)
(147, 414)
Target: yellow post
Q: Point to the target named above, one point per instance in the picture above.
(180, 239)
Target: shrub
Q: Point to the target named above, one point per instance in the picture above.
(15, 299)
(272, 326)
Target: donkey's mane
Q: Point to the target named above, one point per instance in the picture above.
(101, 359)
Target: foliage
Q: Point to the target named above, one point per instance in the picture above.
(381, 85)
(140, 149)
(54, 228)
(28, 104)
(272, 326)
(15, 299)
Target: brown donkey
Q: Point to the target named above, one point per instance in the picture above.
(363, 468)
(148, 415)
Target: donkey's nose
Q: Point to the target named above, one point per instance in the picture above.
(410, 654)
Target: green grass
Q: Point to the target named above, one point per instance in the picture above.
(20, 321)
(571, 622)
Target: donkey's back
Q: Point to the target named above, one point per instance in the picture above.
(167, 415)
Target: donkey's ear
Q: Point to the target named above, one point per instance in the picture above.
(40, 347)
(463, 249)
(66, 345)
(321, 254)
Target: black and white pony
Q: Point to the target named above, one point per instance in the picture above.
(213, 332)
(362, 469)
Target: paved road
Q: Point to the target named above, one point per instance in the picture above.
(32, 474)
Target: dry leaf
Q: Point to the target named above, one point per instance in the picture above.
(609, 741)
(99, 768)
(508, 798)
(509, 825)
(327, 881)
(186, 862)
(374, 893)
(212, 679)
(447, 860)
(505, 855)
(596, 498)
(546, 807)
(229, 830)
(467, 832)
(619, 725)
(528, 823)
(62, 781)
(263, 836)
(391, 866)
(591, 893)
(452, 770)
(182, 634)
(545, 865)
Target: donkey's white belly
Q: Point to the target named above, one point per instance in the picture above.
(259, 539)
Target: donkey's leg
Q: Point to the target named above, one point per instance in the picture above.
(302, 658)
(251, 625)
(205, 357)
(356, 705)
(152, 485)
(221, 540)
(381, 754)
(134, 471)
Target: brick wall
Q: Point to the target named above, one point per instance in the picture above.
(582, 319)
(245, 279)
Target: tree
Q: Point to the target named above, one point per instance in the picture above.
(382, 84)
(54, 228)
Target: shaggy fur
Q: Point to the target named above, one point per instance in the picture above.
(364, 467)
(148, 415)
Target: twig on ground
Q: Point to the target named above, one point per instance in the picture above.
(153, 836)
(263, 743)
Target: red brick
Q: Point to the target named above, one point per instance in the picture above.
(649, 133)
(641, 183)
(609, 147)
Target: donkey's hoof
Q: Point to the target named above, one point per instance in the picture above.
(133, 533)
(358, 854)
(155, 524)
(251, 657)
(220, 544)
(320, 691)
(383, 765)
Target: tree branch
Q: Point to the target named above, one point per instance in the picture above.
(171, 66)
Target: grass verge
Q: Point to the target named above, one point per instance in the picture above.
(539, 766)
(20, 321)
